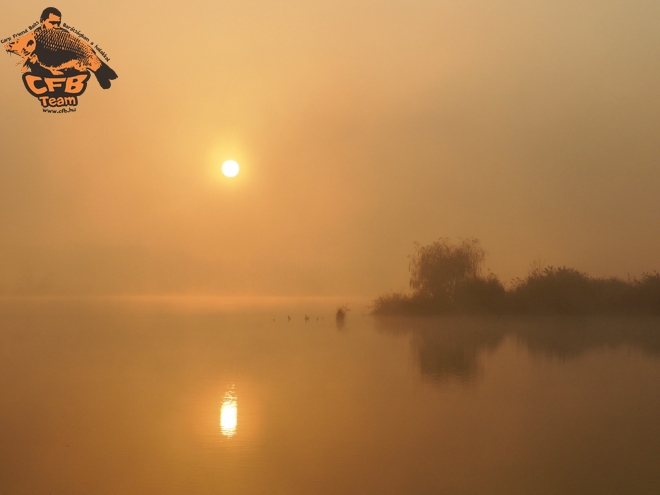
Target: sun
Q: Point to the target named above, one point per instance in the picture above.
(230, 168)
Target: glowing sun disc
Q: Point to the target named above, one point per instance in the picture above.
(230, 168)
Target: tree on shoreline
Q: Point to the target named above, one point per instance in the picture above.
(448, 278)
(438, 269)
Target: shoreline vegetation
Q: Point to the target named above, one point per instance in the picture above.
(450, 279)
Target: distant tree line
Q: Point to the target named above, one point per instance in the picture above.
(449, 278)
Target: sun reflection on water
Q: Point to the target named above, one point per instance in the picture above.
(229, 414)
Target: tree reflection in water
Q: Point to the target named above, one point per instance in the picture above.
(447, 348)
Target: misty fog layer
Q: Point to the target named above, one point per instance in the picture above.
(360, 127)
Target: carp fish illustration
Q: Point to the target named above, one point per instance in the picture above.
(59, 51)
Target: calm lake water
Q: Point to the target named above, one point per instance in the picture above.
(117, 397)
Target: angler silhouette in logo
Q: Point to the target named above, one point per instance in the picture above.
(50, 50)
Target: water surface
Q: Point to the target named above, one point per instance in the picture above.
(108, 397)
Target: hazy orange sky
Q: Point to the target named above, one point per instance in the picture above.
(360, 127)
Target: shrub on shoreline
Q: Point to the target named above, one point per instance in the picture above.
(448, 279)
